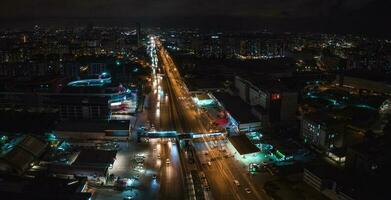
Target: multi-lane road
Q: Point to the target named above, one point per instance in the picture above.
(170, 108)
(222, 171)
(163, 116)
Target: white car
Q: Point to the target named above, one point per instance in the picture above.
(167, 161)
(141, 155)
(236, 182)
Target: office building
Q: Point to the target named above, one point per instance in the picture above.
(273, 102)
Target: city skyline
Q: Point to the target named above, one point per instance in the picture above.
(195, 100)
(342, 16)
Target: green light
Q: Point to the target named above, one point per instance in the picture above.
(51, 137)
(252, 167)
(280, 155)
(3, 138)
(255, 138)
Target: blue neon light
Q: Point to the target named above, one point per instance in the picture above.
(90, 82)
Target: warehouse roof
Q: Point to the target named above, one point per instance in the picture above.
(243, 145)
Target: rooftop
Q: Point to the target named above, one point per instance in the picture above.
(267, 83)
(19, 158)
(95, 157)
(211, 73)
(243, 145)
(202, 96)
(325, 170)
(92, 126)
(238, 109)
(43, 188)
(379, 149)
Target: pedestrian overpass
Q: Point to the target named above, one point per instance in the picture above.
(175, 134)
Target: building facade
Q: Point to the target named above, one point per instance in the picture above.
(276, 104)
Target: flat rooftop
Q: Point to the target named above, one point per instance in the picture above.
(243, 145)
(95, 157)
(211, 73)
(265, 82)
(202, 96)
(93, 125)
(13, 187)
(238, 109)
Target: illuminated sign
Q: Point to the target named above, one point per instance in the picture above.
(275, 96)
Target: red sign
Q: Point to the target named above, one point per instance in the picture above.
(276, 96)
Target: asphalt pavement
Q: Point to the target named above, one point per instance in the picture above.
(171, 108)
(223, 171)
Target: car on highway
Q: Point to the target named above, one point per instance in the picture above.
(236, 182)
(136, 177)
(139, 160)
(202, 175)
(207, 188)
(139, 168)
(167, 161)
(248, 190)
(140, 155)
(120, 184)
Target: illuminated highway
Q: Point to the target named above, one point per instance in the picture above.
(223, 171)
(162, 115)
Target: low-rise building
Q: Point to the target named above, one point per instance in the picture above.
(328, 180)
(91, 163)
(329, 136)
(239, 113)
(45, 188)
(19, 158)
(370, 158)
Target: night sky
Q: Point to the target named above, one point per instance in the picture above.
(370, 14)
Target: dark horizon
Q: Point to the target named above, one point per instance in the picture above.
(218, 23)
(367, 17)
